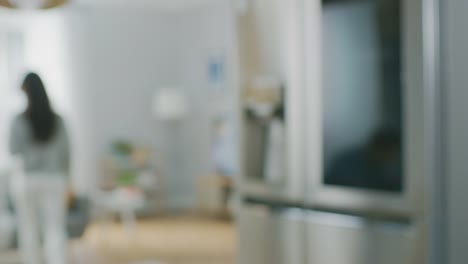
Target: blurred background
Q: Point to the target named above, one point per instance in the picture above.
(246, 131)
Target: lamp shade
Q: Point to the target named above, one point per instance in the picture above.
(169, 104)
(32, 4)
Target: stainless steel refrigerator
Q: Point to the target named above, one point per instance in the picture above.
(334, 111)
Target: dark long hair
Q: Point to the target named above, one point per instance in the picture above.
(39, 112)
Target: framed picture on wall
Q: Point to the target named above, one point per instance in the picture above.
(216, 72)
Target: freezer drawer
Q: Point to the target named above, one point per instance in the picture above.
(271, 236)
(342, 239)
(255, 235)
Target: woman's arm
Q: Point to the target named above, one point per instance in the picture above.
(17, 138)
(64, 149)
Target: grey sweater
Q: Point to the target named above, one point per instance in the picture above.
(51, 157)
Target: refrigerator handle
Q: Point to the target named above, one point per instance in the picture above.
(259, 210)
(273, 212)
(265, 210)
(335, 220)
(289, 213)
(355, 222)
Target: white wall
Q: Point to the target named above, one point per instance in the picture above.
(4, 91)
(152, 49)
(115, 70)
(102, 64)
(206, 32)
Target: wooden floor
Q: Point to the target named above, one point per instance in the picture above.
(169, 240)
(177, 240)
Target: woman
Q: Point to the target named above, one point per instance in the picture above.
(39, 142)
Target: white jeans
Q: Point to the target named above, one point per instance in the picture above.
(40, 202)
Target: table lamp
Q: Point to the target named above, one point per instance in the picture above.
(170, 108)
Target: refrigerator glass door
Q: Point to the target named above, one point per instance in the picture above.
(270, 68)
(365, 104)
(362, 94)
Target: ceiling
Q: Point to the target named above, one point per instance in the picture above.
(167, 5)
(160, 4)
(43, 3)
